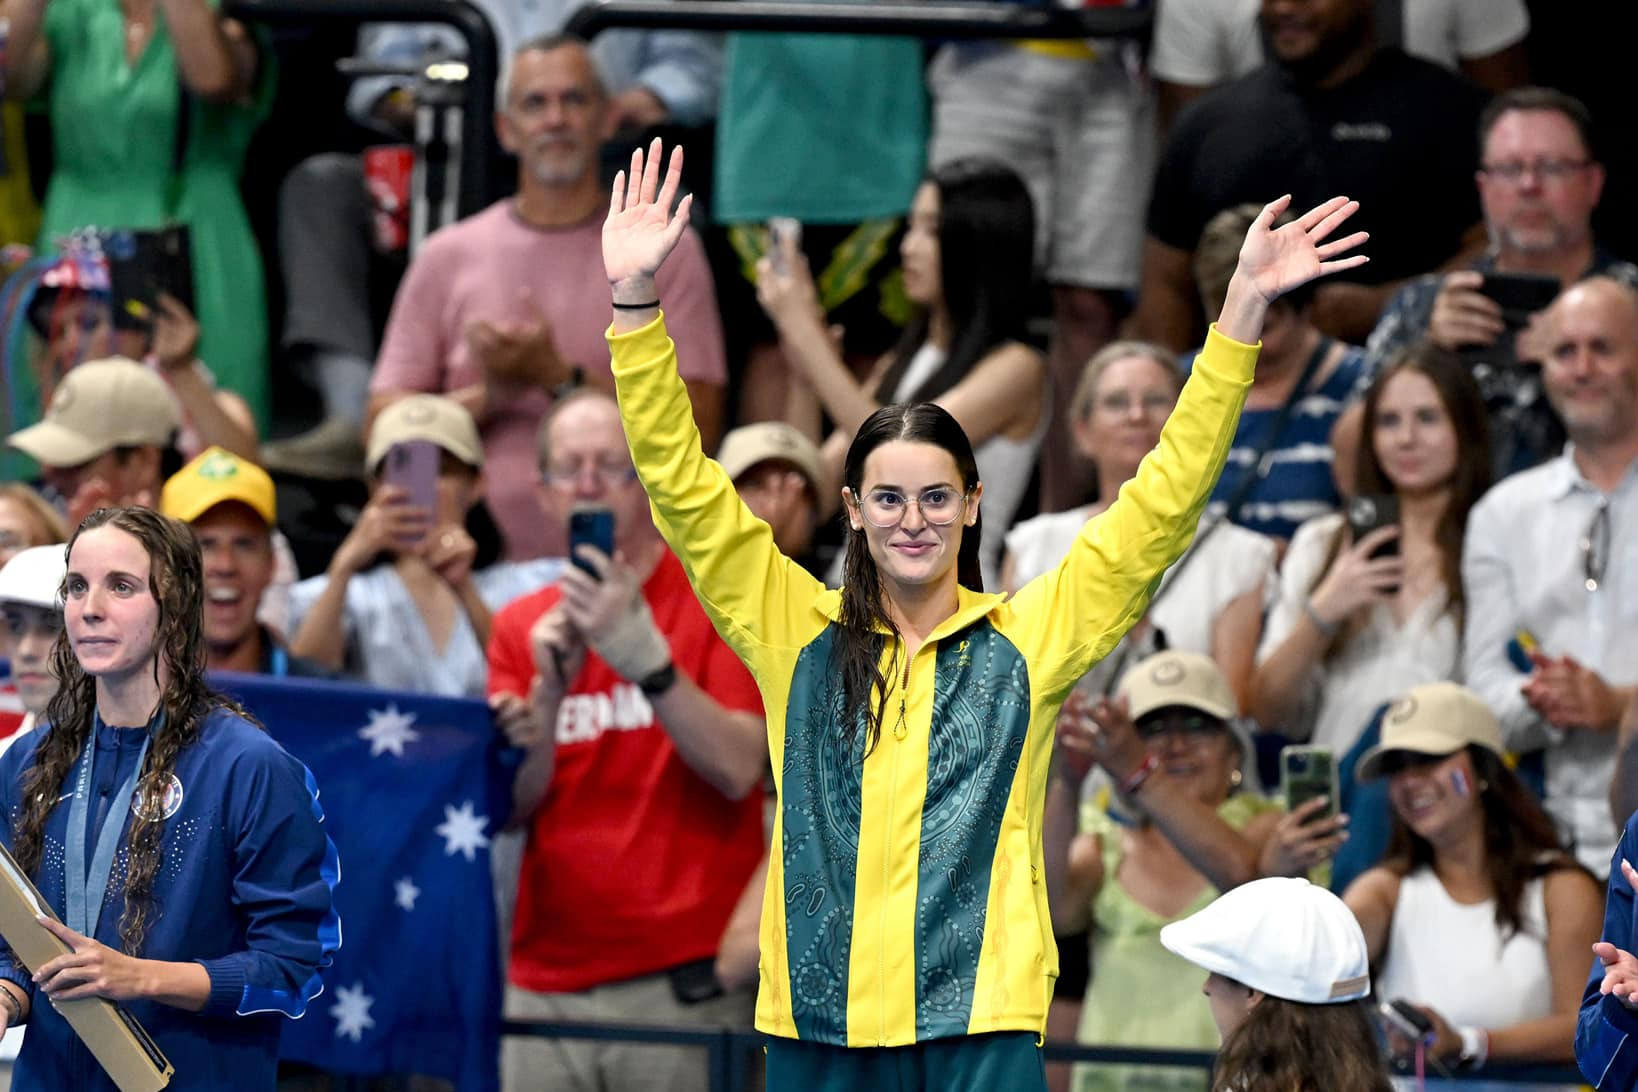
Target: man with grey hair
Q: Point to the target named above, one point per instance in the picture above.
(653, 77)
(1550, 592)
(505, 311)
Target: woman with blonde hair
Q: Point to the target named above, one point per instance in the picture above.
(1211, 601)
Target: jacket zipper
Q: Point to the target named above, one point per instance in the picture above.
(900, 731)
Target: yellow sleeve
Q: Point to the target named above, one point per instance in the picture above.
(755, 595)
(1072, 616)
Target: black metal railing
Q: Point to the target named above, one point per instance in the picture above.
(933, 19)
(482, 62)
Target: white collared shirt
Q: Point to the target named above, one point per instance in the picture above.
(1524, 568)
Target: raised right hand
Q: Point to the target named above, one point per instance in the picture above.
(1462, 315)
(641, 229)
(1356, 580)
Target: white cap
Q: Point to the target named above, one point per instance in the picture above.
(34, 576)
(1282, 936)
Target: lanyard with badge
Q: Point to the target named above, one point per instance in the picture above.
(84, 889)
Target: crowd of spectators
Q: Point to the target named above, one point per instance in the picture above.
(989, 225)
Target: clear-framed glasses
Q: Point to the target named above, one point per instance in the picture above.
(939, 505)
(1120, 403)
(1548, 170)
(1595, 546)
(610, 472)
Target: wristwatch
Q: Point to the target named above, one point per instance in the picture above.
(1475, 1046)
(658, 682)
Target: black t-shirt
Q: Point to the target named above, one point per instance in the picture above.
(1400, 138)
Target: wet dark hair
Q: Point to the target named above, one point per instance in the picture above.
(858, 650)
(986, 244)
(1520, 841)
(175, 577)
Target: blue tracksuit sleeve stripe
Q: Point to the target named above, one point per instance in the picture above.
(1606, 1048)
(286, 872)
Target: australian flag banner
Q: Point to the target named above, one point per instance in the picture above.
(413, 789)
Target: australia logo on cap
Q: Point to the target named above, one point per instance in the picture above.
(1168, 674)
(157, 798)
(419, 413)
(217, 465)
(1401, 711)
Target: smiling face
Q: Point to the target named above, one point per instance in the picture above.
(1591, 371)
(1436, 796)
(237, 550)
(900, 476)
(1197, 751)
(110, 611)
(1414, 439)
(31, 632)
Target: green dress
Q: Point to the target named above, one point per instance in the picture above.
(1142, 995)
(114, 129)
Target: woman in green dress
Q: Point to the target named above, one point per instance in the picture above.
(152, 105)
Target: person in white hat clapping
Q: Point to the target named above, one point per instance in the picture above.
(1287, 969)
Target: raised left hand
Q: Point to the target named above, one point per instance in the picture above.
(91, 969)
(1274, 260)
(641, 229)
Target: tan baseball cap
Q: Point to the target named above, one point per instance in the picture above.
(1433, 719)
(215, 477)
(425, 417)
(98, 406)
(766, 441)
(1180, 678)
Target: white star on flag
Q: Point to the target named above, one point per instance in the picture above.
(389, 730)
(407, 893)
(462, 830)
(352, 1012)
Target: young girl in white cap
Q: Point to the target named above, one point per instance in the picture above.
(1288, 969)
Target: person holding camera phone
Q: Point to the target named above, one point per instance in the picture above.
(153, 104)
(1362, 613)
(910, 715)
(405, 603)
(1475, 877)
(1539, 184)
(1170, 739)
(640, 790)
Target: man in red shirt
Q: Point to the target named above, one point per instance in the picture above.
(640, 788)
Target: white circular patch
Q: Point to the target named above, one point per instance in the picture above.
(156, 800)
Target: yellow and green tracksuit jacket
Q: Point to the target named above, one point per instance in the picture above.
(906, 898)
